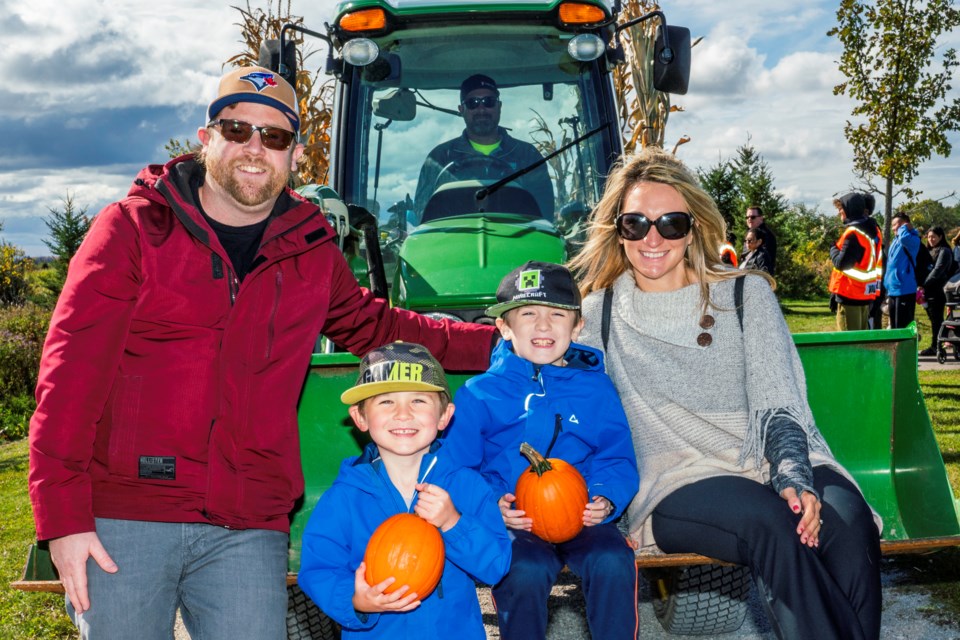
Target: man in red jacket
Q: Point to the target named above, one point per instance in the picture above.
(164, 453)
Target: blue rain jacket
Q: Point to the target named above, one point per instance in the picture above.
(572, 413)
(477, 549)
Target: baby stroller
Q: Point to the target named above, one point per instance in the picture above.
(950, 329)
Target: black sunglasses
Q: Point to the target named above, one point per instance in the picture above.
(671, 226)
(240, 132)
(487, 101)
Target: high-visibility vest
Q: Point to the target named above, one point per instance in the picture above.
(862, 280)
(729, 254)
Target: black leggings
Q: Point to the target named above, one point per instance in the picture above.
(830, 591)
(936, 303)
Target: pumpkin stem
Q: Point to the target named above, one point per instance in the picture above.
(538, 463)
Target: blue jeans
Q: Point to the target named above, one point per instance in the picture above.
(229, 584)
(599, 555)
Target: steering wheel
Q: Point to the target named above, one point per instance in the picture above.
(473, 168)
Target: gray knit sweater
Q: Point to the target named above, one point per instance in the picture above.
(703, 411)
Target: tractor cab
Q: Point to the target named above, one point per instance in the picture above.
(463, 188)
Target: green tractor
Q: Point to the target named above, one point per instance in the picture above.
(438, 241)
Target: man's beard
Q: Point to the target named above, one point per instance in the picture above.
(484, 127)
(224, 174)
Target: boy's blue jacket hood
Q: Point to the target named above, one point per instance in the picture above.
(571, 412)
(362, 496)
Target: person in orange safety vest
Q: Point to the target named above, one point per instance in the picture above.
(857, 264)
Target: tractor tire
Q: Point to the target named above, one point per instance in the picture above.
(305, 621)
(700, 599)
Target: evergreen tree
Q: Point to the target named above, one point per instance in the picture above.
(67, 230)
(721, 183)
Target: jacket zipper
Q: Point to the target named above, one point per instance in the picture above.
(557, 428)
(271, 327)
(234, 287)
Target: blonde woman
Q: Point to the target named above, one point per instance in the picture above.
(731, 463)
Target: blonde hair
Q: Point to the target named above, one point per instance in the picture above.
(603, 260)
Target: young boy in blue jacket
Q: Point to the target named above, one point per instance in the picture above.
(402, 400)
(544, 389)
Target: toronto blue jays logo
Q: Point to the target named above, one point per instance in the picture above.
(260, 80)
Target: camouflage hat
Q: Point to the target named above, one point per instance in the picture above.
(260, 85)
(543, 283)
(400, 366)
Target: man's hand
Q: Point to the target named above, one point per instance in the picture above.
(70, 554)
(513, 518)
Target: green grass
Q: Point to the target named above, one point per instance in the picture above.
(23, 616)
(26, 616)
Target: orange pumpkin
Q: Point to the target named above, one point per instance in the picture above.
(408, 548)
(554, 494)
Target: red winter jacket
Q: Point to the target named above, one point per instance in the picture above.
(168, 392)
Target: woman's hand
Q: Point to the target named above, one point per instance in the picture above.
(513, 518)
(808, 506)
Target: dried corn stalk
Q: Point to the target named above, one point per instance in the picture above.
(643, 109)
(315, 102)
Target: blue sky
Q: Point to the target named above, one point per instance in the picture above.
(95, 88)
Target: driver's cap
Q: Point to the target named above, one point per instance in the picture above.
(477, 81)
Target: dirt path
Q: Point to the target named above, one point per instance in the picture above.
(908, 614)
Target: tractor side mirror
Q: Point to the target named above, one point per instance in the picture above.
(398, 104)
(270, 58)
(671, 65)
(360, 218)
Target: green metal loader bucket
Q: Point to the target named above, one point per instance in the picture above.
(863, 389)
(865, 395)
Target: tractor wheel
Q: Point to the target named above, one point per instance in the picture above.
(700, 599)
(305, 621)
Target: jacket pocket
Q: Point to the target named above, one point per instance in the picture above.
(124, 423)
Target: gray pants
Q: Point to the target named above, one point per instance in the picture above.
(229, 584)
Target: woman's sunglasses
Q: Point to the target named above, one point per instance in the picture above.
(671, 226)
(240, 132)
(487, 101)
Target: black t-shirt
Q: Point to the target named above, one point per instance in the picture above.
(240, 243)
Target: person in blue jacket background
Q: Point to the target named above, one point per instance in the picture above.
(402, 399)
(899, 277)
(546, 390)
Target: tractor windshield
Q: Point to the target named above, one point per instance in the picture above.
(410, 153)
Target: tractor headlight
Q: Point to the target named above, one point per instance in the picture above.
(585, 47)
(360, 51)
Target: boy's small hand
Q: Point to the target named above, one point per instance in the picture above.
(367, 599)
(513, 518)
(435, 506)
(597, 511)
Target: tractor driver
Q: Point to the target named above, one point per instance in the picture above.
(483, 150)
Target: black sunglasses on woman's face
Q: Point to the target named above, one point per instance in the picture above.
(671, 226)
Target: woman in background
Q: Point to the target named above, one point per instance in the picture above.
(942, 258)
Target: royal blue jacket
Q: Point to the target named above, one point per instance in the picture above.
(361, 498)
(899, 278)
(572, 413)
